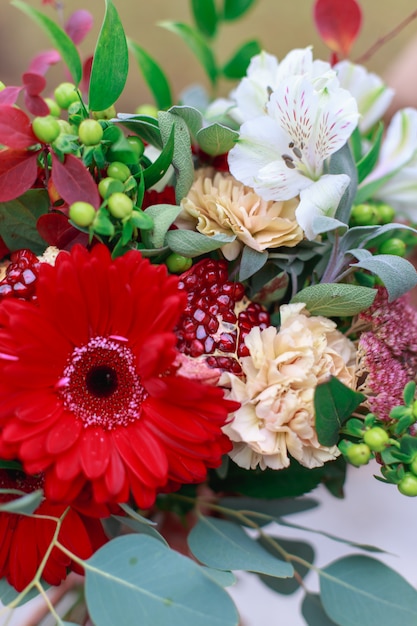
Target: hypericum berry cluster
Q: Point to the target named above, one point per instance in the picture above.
(21, 276)
(217, 317)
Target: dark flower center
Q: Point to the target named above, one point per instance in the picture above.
(100, 384)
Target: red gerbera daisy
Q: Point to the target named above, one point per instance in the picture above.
(25, 539)
(88, 391)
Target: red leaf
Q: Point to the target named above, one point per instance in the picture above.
(15, 128)
(73, 181)
(34, 83)
(36, 105)
(338, 23)
(18, 172)
(85, 81)
(56, 230)
(79, 25)
(9, 95)
(43, 61)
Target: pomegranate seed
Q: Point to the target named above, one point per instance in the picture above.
(21, 276)
(217, 316)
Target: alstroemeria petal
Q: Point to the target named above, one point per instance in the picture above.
(320, 198)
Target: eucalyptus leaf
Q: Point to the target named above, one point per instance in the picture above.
(8, 594)
(302, 550)
(205, 16)
(61, 41)
(313, 611)
(224, 545)
(335, 299)
(270, 509)
(135, 579)
(163, 216)
(110, 62)
(251, 262)
(334, 403)
(140, 527)
(24, 505)
(361, 590)
(237, 65)
(18, 221)
(135, 515)
(341, 162)
(192, 244)
(154, 76)
(216, 139)
(397, 274)
(182, 157)
(196, 42)
(221, 577)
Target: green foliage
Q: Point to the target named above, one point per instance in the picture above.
(369, 160)
(251, 262)
(18, 220)
(397, 274)
(216, 139)
(205, 16)
(235, 9)
(110, 59)
(59, 38)
(238, 63)
(154, 76)
(135, 578)
(25, 504)
(226, 546)
(301, 549)
(334, 403)
(361, 590)
(313, 611)
(192, 244)
(182, 158)
(341, 162)
(335, 299)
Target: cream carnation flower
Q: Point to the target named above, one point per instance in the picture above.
(220, 204)
(284, 366)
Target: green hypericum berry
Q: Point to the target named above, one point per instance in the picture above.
(120, 205)
(106, 114)
(147, 109)
(176, 263)
(358, 454)
(364, 215)
(46, 128)
(105, 183)
(385, 213)
(66, 128)
(2, 85)
(376, 438)
(90, 132)
(408, 485)
(413, 465)
(65, 95)
(82, 213)
(53, 107)
(136, 144)
(118, 170)
(394, 246)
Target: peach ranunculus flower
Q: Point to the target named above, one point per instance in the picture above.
(284, 366)
(218, 203)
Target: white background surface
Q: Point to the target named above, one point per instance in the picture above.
(371, 513)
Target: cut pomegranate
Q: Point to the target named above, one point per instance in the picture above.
(20, 276)
(217, 317)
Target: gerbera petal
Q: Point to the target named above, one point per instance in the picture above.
(94, 449)
(63, 434)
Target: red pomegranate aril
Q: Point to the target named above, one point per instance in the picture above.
(217, 317)
(21, 275)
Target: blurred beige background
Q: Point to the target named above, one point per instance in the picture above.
(280, 26)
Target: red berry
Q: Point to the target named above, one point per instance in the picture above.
(217, 317)
(21, 276)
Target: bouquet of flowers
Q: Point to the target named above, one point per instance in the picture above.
(204, 314)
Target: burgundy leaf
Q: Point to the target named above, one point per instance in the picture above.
(15, 128)
(79, 25)
(56, 230)
(41, 63)
(18, 172)
(73, 181)
(34, 83)
(4, 250)
(338, 23)
(36, 105)
(85, 81)
(9, 95)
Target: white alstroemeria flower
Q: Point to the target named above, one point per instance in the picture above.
(283, 153)
(320, 199)
(398, 162)
(265, 73)
(371, 93)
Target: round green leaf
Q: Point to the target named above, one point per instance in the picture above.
(335, 299)
(135, 579)
(361, 590)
